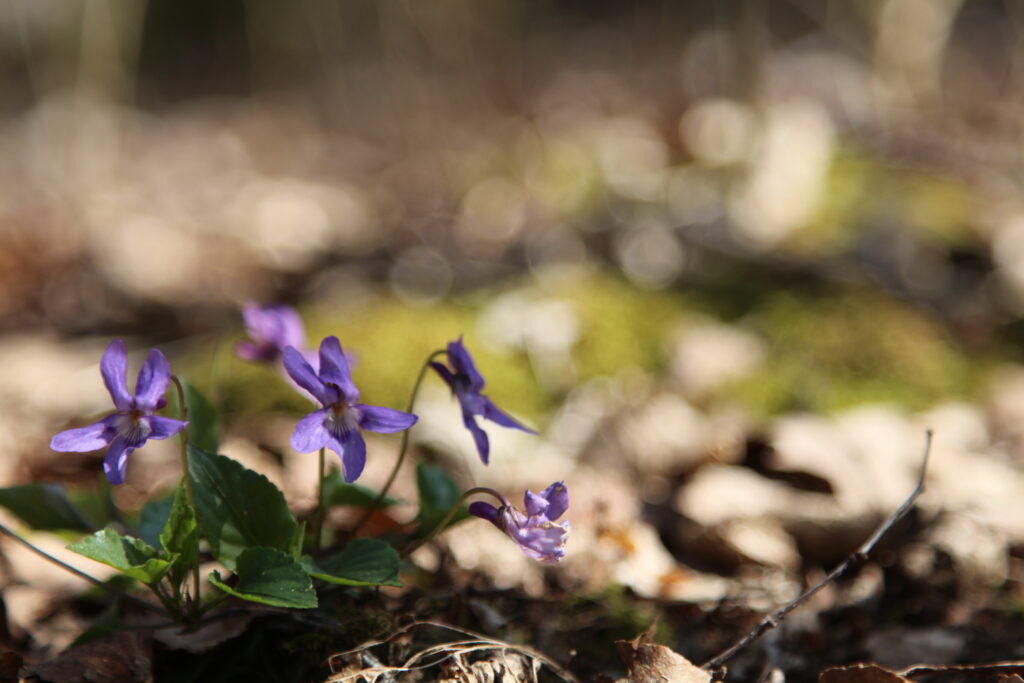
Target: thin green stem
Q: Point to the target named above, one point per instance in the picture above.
(321, 509)
(187, 478)
(79, 573)
(403, 449)
(170, 604)
(440, 526)
(211, 603)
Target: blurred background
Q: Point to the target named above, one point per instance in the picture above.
(686, 240)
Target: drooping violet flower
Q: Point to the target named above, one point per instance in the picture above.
(271, 329)
(135, 421)
(336, 425)
(466, 383)
(535, 531)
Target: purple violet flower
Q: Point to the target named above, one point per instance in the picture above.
(135, 421)
(467, 383)
(535, 532)
(271, 329)
(336, 425)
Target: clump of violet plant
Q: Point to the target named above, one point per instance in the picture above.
(266, 557)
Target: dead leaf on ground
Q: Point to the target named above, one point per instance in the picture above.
(503, 667)
(124, 658)
(209, 635)
(648, 662)
(860, 673)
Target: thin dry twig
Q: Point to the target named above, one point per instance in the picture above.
(80, 574)
(986, 669)
(859, 555)
(438, 654)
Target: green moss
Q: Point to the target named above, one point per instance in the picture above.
(828, 349)
(622, 326)
(861, 190)
(832, 352)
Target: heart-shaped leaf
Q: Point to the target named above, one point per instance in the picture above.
(270, 577)
(153, 519)
(131, 556)
(338, 492)
(45, 507)
(363, 562)
(438, 494)
(238, 508)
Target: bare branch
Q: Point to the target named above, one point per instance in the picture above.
(775, 618)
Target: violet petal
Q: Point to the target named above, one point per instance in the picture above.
(116, 460)
(163, 427)
(310, 433)
(83, 439)
(384, 420)
(484, 511)
(557, 496)
(334, 369)
(483, 444)
(303, 375)
(494, 414)
(350, 446)
(535, 504)
(444, 372)
(463, 364)
(114, 368)
(154, 376)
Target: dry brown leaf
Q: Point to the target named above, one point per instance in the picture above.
(123, 658)
(502, 667)
(649, 662)
(860, 673)
(207, 636)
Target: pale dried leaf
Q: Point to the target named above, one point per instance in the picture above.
(860, 673)
(649, 662)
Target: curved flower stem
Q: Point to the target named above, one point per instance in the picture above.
(321, 510)
(187, 478)
(79, 573)
(439, 527)
(402, 449)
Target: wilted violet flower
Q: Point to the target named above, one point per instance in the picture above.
(467, 383)
(135, 421)
(271, 329)
(336, 425)
(535, 532)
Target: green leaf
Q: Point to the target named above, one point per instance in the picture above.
(338, 492)
(238, 508)
(438, 494)
(270, 577)
(131, 556)
(45, 507)
(153, 519)
(202, 417)
(363, 562)
(180, 536)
